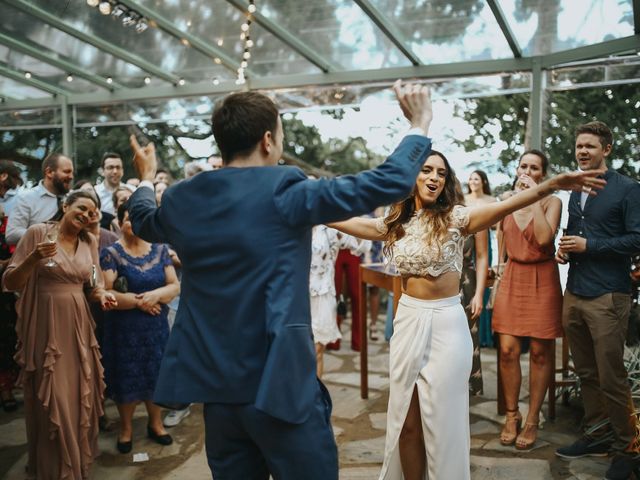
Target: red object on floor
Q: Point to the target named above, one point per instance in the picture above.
(348, 264)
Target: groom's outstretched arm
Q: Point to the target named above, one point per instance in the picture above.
(303, 202)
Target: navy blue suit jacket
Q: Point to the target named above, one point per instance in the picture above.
(242, 333)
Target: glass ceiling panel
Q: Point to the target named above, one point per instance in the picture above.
(24, 28)
(34, 118)
(554, 25)
(10, 89)
(337, 30)
(445, 31)
(153, 45)
(44, 71)
(218, 23)
(147, 111)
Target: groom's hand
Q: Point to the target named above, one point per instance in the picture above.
(415, 102)
(144, 159)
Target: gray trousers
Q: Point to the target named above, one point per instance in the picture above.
(596, 328)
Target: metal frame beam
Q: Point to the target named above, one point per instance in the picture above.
(506, 29)
(487, 67)
(291, 40)
(389, 30)
(604, 49)
(196, 42)
(636, 17)
(293, 81)
(536, 104)
(9, 72)
(97, 42)
(59, 63)
(67, 128)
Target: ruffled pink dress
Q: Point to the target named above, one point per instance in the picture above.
(59, 359)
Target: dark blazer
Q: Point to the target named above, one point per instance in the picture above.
(242, 333)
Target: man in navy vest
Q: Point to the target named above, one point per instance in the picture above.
(242, 342)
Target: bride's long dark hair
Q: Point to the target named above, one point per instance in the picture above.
(439, 212)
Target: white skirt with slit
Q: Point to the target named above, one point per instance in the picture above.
(431, 350)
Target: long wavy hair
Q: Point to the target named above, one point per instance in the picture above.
(439, 212)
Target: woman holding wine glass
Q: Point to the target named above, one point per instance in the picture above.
(57, 351)
(529, 301)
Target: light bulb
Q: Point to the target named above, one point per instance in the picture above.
(27, 74)
(181, 82)
(147, 80)
(251, 8)
(69, 78)
(93, 3)
(105, 8)
(217, 61)
(109, 80)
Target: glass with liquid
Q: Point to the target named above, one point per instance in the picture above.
(52, 237)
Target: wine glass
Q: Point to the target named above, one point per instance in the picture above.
(52, 237)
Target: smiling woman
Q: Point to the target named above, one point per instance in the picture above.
(57, 351)
(431, 350)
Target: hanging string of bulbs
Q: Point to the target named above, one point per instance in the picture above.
(245, 36)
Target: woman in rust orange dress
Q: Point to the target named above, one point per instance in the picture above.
(528, 302)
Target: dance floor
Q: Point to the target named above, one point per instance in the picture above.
(359, 428)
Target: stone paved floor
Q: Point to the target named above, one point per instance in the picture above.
(359, 428)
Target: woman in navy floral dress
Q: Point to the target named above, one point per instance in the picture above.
(142, 278)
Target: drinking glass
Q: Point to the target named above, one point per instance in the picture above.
(52, 237)
(565, 255)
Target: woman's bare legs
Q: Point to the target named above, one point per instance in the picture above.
(411, 444)
(540, 370)
(126, 420)
(155, 417)
(511, 379)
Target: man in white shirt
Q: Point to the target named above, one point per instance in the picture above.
(112, 170)
(41, 202)
(10, 180)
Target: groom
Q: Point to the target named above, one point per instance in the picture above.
(242, 342)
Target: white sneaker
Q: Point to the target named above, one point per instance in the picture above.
(174, 417)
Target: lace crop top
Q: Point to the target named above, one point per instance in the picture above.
(413, 257)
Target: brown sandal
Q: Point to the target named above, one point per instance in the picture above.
(524, 443)
(511, 428)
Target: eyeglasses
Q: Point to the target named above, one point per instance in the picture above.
(113, 167)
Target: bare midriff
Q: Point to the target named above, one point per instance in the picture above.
(432, 288)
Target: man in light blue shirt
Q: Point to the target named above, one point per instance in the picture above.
(41, 202)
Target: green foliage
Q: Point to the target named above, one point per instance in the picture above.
(334, 155)
(30, 147)
(504, 118)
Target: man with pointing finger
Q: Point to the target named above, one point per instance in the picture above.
(603, 234)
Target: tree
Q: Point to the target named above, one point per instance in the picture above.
(617, 106)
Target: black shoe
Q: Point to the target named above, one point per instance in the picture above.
(124, 447)
(161, 439)
(105, 424)
(622, 466)
(584, 447)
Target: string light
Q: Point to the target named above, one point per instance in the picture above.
(129, 17)
(109, 80)
(245, 36)
(216, 81)
(147, 80)
(181, 82)
(105, 7)
(27, 75)
(69, 78)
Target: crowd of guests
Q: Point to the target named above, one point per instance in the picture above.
(96, 304)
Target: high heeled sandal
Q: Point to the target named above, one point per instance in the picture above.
(525, 444)
(512, 419)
